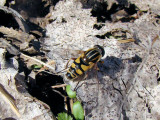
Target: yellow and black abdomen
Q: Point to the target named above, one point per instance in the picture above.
(77, 68)
(85, 62)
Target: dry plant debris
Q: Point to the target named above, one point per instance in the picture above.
(10, 100)
(126, 86)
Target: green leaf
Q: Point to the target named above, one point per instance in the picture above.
(78, 111)
(70, 93)
(35, 66)
(64, 116)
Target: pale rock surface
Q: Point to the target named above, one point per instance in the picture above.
(29, 107)
(117, 96)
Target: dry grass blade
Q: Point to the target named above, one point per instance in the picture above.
(50, 67)
(56, 91)
(9, 99)
(126, 41)
(71, 105)
(59, 86)
(154, 40)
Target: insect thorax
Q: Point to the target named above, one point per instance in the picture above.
(92, 55)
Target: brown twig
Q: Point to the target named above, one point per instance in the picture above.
(50, 67)
(59, 86)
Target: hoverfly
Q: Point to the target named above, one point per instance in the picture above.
(85, 62)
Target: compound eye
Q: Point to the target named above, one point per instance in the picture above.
(84, 59)
(101, 49)
(68, 75)
(103, 52)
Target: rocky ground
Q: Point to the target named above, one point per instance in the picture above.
(126, 86)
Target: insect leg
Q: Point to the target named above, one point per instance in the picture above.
(65, 66)
(79, 79)
(102, 62)
(96, 66)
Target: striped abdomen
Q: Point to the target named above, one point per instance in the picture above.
(83, 63)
